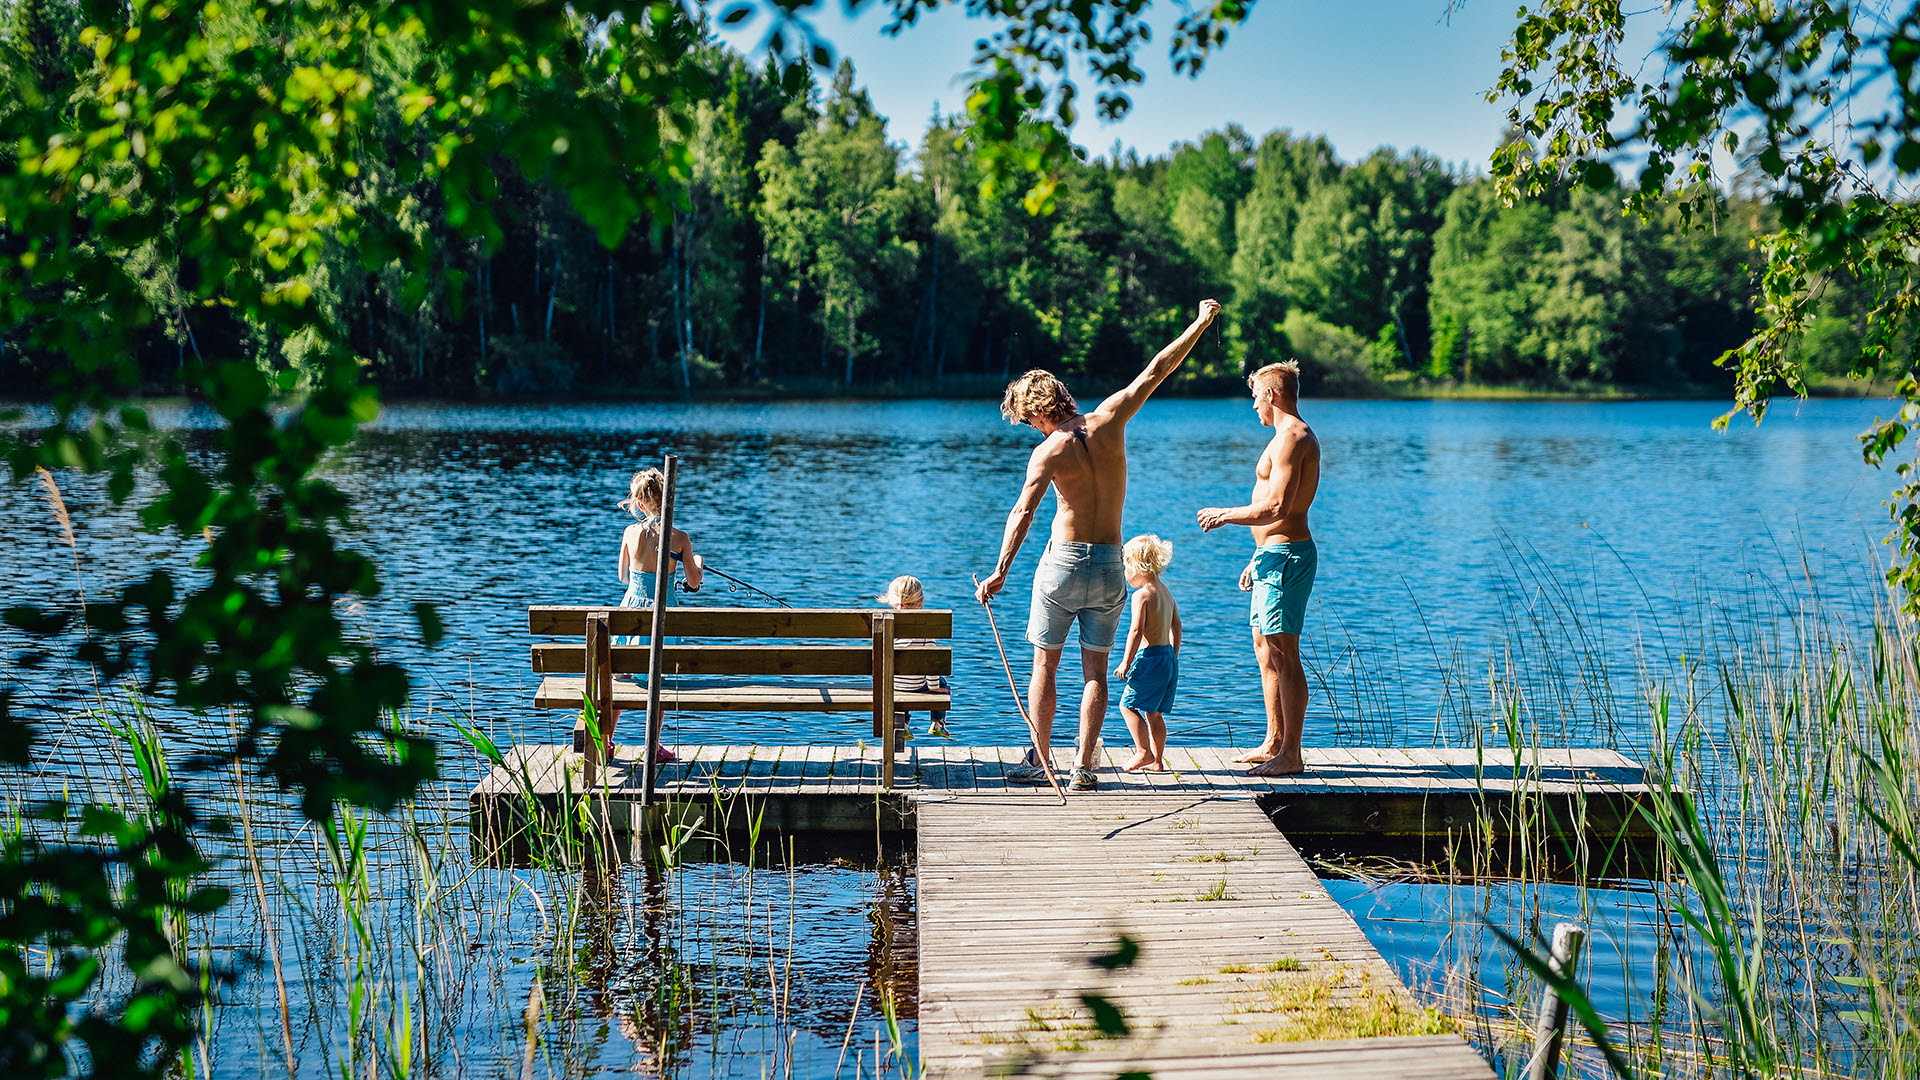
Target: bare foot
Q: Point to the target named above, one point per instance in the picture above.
(1278, 766)
(1140, 761)
(1257, 754)
(1160, 765)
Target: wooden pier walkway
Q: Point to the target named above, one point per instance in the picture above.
(1246, 966)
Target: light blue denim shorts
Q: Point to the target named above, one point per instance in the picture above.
(1082, 583)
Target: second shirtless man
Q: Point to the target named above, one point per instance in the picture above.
(1284, 561)
(1079, 579)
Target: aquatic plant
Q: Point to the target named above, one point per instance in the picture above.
(1776, 932)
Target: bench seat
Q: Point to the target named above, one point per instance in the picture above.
(709, 695)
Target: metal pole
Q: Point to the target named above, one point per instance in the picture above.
(662, 588)
(1551, 1026)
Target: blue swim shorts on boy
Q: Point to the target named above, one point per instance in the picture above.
(1151, 680)
(1282, 582)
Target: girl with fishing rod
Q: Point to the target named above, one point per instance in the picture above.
(640, 549)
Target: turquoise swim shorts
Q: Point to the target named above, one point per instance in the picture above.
(1282, 582)
(1152, 680)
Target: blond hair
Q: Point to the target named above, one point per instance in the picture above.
(1041, 394)
(1283, 376)
(1148, 554)
(902, 591)
(647, 488)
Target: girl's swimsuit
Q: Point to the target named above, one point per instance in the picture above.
(640, 595)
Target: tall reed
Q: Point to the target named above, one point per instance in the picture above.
(391, 946)
(1780, 933)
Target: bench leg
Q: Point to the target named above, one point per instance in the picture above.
(890, 747)
(883, 693)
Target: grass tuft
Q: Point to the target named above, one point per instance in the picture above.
(1337, 1004)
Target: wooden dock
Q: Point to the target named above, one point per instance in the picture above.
(1245, 965)
(1359, 792)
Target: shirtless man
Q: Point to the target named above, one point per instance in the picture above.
(1284, 559)
(1084, 459)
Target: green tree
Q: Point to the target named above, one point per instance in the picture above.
(1286, 172)
(1205, 182)
(1068, 285)
(1156, 273)
(1362, 245)
(1771, 75)
(828, 209)
(1487, 281)
(42, 39)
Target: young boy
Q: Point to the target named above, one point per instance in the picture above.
(1154, 634)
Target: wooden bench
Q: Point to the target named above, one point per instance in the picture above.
(737, 673)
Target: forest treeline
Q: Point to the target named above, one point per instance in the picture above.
(814, 251)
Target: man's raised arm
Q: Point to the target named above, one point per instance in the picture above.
(1019, 521)
(1124, 403)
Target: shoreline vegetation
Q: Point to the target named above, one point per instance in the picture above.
(990, 387)
(819, 254)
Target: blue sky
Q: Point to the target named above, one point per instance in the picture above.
(1365, 73)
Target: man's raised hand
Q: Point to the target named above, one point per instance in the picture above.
(1209, 310)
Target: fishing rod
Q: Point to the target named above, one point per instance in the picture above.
(1046, 762)
(709, 568)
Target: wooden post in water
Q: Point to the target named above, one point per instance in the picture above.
(1551, 1026)
(883, 718)
(662, 588)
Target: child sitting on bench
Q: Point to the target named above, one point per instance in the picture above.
(905, 593)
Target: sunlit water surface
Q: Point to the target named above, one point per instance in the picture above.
(1597, 539)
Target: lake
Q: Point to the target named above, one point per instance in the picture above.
(1470, 551)
(1443, 526)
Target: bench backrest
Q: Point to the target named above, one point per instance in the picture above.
(571, 621)
(728, 657)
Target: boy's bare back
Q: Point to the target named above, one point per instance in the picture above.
(1154, 612)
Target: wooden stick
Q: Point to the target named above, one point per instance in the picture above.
(1046, 760)
(662, 586)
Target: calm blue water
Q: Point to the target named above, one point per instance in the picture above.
(1435, 520)
(1582, 543)
(1443, 527)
